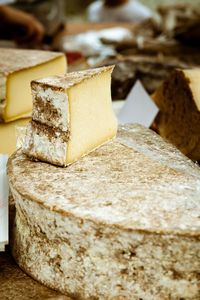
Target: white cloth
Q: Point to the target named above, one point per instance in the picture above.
(4, 191)
(132, 11)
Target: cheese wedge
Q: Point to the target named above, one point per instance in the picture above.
(17, 69)
(179, 119)
(72, 115)
(8, 135)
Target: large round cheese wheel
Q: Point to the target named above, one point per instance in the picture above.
(121, 223)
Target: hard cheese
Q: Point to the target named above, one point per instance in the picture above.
(8, 135)
(120, 223)
(179, 119)
(72, 115)
(17, 69)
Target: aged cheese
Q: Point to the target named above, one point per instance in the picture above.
(120, 223)
(17, 69)
(179, 119)
(72, 115)
(8, 135)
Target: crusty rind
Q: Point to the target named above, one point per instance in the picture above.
(71, 79)
(84, 232)
(45, 143)
(13, 60)
(152, 167)
(50, 106)
(88, 260)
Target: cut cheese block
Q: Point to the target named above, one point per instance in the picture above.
(9, 134)
(17, 69)
(72, 115)
(179, 119)
(120, 223)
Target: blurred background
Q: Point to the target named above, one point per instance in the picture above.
(77, 6)
(146, 40)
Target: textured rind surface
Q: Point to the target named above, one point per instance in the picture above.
(44, 143)
(121, 223)
(50, 106)
(12, 60)
(138, 164)
(70, 79)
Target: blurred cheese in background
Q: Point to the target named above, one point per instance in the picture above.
(9, 135)
(118, 10)
(178, 99)
(17, 69)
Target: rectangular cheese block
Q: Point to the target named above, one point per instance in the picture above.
(72, 115)
(17, 69)
(8, 135)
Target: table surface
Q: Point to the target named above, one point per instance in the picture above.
(16, 285)
(79, 27)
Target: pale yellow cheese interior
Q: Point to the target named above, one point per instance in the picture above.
(193, 76)
(18, 90)
(92, 120)
(8, 135)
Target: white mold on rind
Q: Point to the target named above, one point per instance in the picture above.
(48, 145)
(121, 223)
(50, 107)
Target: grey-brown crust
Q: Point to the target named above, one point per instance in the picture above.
(137, 182)
(90, 261)
(45, 107)
(12, 60)
(50, 132)
(70, 79)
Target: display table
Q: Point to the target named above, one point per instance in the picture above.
(15, 284)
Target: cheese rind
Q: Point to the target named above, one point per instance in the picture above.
(49, 143)
(50, 106)
(121, 223)
(78, 105)
(17, 69)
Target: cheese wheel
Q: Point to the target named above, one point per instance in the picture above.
(120, 223)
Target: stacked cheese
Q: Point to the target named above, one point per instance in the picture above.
(72, 115)
(179, 119)
(17, 69)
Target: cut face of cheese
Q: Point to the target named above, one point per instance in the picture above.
(90, 109)
(18, 69)
(193, 77)
(8, 135)
(19, 99)
(72, 115)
